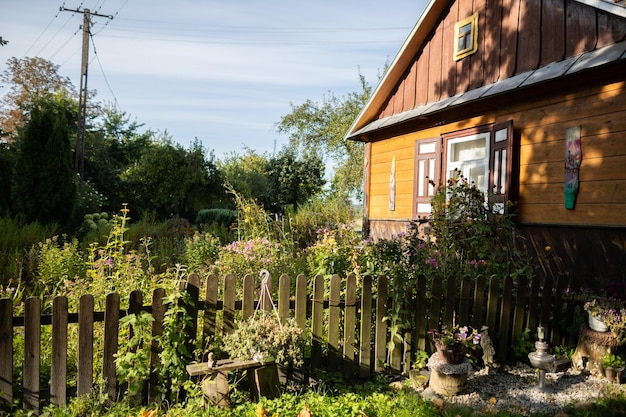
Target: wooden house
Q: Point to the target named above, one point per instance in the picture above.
(527, 98)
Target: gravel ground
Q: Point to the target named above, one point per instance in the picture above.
(513, 388)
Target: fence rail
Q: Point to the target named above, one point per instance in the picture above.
(346, 319)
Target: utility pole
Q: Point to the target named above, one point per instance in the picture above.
(79, 153)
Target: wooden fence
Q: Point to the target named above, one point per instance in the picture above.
(345, 319)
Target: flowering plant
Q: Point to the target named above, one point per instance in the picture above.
(612, 312)
(265, 335)
(456, 338)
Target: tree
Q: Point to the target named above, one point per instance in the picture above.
(43, 186)
(320, 128)
(246, 173)
(109, 150)
(29, 79)
(293, 181)
(3, 42)
(172, 181)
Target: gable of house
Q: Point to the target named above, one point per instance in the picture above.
(514, 37)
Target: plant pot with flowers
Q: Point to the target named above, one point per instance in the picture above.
(608, 314)
(454, 343)
(265, 339)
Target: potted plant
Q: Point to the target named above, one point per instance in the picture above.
(266, 339)
(453, 343)
(608, 314)
(613, 367)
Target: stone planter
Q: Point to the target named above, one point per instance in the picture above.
(445, 378)
(596, 324)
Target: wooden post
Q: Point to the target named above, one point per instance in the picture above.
(505, 320)
(85, 345)
(58, 369)
(248, 297)
(334, 317)
(420, 313)
(479, 303)
(365, 334)
(111, 338)
(380, 325)
(301, 301)
(32, 350)
(465, 301)
(449, 306)
(349, 326)
(6, 350)
(492, 304)
(210, 308)
(158, 313)
(317, 322)
(230, 291)
(284, 290)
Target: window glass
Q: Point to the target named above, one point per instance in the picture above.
(469, 156)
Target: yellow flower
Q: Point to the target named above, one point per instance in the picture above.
(548, 248)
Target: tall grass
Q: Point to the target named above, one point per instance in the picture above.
(18, 241)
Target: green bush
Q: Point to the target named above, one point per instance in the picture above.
(223, 217)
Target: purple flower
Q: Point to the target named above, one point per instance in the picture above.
(433, 262)
(109, 262)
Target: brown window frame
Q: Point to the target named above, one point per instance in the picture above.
(501, 153)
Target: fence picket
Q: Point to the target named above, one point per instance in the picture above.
(6, 350)
(210, 309)
(493, 297)
(478, 317)
(435, 306)
(158, 313)
(247, 297)
(85, 345)
(449, 307)
(230, 292)
(533, 305)
(284, 290)
(464, 301)
(58, 366)
(420, 313)
(505, 319)
(365, 332)
(349, 326)
(111, 338)
(301, 301)
(317, 322)
(546, 296)
(193, 290)
(520, 303)
(557, 310)
(334, 317)
(380, 325)
(32, 350)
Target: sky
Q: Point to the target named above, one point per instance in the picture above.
(223, 72)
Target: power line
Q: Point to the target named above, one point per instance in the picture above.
(97, 57)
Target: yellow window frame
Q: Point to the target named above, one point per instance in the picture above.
(466, 32)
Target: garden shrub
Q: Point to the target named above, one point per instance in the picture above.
(222, 217)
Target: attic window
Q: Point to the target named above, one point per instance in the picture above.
(466, 37)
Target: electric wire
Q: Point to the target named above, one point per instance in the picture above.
(106, 80)
(42, 33)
